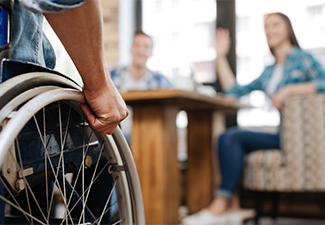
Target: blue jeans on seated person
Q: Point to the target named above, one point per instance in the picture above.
(232, 147)
(29, 43)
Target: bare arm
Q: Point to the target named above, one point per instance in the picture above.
(81, 32)
(292, 89)
(226, 76)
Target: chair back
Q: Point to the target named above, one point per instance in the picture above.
(303, 141)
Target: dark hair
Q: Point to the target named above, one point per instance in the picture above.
(292, 36)
(140, 32)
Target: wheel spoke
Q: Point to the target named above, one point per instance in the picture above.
(66, 129)
(67, 140)
(62, 146)
(45, 150)
(107, 210)
(45, 170)
(20, 209)
(88, 187)
(92, 180)
(80, 169)
(83, 159)
(62, 161)
(55, 173)
(15, 200)
(118, 222)
(19, 167)
(83, 171)
(110, 195)
(27, 184)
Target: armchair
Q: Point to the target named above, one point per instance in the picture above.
(300, 164)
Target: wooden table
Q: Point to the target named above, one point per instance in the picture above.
(154, 147)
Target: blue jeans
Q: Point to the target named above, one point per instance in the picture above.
(232, 147)
(29, 43)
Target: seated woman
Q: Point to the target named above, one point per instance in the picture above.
(294, 72)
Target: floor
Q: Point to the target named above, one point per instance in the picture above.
(288, 221)
(183, 211)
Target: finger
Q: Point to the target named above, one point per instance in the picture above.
(89, 114)
(226, 32)
(277, 105)
(219, 30)
(103, 127)
(107, 129)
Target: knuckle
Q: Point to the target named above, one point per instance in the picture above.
(110, 132)
(103, 133)
(126, 113)
(115, 118)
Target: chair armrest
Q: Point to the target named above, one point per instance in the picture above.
(303, 124)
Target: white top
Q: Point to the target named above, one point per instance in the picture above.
(134, 84)
(276, 78)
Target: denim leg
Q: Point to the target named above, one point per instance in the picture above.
(232, 147)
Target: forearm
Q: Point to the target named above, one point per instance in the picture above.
(300, 89)
(81, 32)
(293, 89)
(225, 75)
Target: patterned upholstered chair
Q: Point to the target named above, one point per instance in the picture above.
(300, 164)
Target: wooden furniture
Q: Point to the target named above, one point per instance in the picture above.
(154, 147)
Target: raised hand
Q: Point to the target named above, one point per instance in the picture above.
(222, 42)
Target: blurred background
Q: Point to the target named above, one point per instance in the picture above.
(183, 32)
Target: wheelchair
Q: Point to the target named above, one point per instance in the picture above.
(51, 159)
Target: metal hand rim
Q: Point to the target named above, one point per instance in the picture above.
(16, 124)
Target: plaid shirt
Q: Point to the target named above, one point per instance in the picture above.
(299, 67)
(153, 80)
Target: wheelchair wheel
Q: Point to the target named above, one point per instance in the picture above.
(51, 159)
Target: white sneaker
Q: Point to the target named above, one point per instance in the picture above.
(204, 217)
(237, 218)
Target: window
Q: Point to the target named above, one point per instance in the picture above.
(243, 67)
(242, 24)
(176, 72)
(243, 64)
(316, 16)
(175, 39)
(315, 11)
(175, 4)
(205, 72)
(158, 6)
(182, 38)
(157, 41)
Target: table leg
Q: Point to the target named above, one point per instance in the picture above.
(202, 170)
(154, 147)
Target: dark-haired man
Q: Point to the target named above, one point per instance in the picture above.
(137, 76)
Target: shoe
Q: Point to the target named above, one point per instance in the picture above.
(205, 217)
(248, 213)
(237, 218)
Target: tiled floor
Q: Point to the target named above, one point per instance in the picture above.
(288, 221)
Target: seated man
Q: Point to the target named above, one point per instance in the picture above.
(137, 76)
